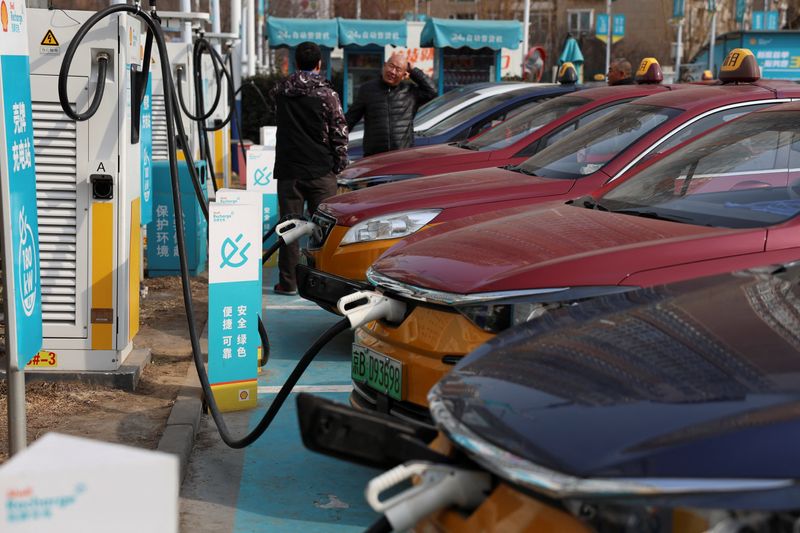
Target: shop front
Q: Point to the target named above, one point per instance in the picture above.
(469, 51)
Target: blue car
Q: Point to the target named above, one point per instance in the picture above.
(469, 110)
(669, 409)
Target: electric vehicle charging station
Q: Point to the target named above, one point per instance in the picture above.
(88, 192)
(180, 58)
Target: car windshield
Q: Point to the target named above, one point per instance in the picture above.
(589, 148)
(444, 103)
(743, 174)
(508, 132)
(463, 116)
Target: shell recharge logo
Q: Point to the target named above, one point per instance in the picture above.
(29, 264)
(23, 505)
(4, 15)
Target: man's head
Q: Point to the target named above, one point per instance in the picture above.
(307, 56)
(395, 69)
(619, 71)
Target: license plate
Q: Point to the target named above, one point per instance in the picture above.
(380, 372)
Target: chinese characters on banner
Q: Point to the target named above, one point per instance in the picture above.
(146, 145)
(18, 190)
(234, 303)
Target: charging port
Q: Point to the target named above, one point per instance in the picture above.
(102, 186)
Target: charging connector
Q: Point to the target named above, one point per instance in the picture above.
(291, 230)
(369, 306)
(438, 486)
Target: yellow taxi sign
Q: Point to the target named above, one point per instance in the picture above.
(735, 59)
(644, 66)
(739, 66)
(649, 71)
(567, 73)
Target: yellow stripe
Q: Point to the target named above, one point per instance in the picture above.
(102, 271)
(133, 269)
(219, 146)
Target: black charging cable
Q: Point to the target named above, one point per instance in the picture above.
(173, 122)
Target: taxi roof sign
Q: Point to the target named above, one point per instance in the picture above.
(567, 74)
(649, 71)
(739, 66)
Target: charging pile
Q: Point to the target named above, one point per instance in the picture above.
(358, 309)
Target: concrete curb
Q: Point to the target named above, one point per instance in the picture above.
(184, 418)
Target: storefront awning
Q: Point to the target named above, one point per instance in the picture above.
(366, 32)
(291, 32)
(456, 33)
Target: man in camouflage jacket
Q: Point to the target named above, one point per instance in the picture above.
(311, 147)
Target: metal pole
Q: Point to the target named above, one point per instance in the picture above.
(526, 31)
(213, 7)
(236, 27)
(712, 42)
(358, 9)
(186, 33)
(416, 9)
(608, 43)
(17, 439)
(251, 37)
(679, 51)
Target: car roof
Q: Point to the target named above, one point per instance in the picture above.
(707, 96)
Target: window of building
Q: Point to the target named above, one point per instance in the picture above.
(579, 20)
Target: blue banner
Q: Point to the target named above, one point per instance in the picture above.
(678, 9)
(458, 33)
(146, 146)
(765, 20)
(741, 7)
(20, 215)
(366, 32)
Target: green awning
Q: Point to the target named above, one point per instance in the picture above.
(366, 32)
(456, 33)
(291, 32)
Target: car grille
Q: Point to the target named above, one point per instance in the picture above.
(325, 224)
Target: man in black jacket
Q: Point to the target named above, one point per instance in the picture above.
(620, 72)
(388, 105)
(311, 147)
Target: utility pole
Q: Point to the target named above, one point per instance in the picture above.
(608, 41)
(679, 51)
(712, 40)
(526, 31)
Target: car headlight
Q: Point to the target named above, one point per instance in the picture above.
(495, 317)
(355, 182)
(393, 226)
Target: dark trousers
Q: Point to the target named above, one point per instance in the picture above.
(292, 194)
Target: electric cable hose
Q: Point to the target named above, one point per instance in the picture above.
(102, 66)
(174, 120)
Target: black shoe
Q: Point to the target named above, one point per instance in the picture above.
(280, 290)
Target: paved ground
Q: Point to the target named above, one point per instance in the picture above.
(276, 484)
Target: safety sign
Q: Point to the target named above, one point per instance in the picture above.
(49, 44)
(234, 303)
(18, 192)
(260, 166)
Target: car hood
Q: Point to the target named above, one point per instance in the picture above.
(552, 246)
(395, 162)
(691, 380)
(457, 189)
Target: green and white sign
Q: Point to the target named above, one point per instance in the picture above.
(20, 251)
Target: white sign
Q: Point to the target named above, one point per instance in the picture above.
(269, 136)
(260, 167)
(234, 243)
(69, 484)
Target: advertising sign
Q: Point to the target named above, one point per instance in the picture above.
(741, 7)
(260, 165)
(234, 303)
(146, 145)
(678, 9)
(18, 191)
(766, 20)
(617, 28)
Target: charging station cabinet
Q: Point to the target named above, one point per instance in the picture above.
(180, 58)
(220, 140)
(88, 192)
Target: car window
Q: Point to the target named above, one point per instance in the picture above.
(582, 121)
(524, 120)
(591, 147)
(704, 124)
(735, 176)
(501, 116)
(467, 114)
